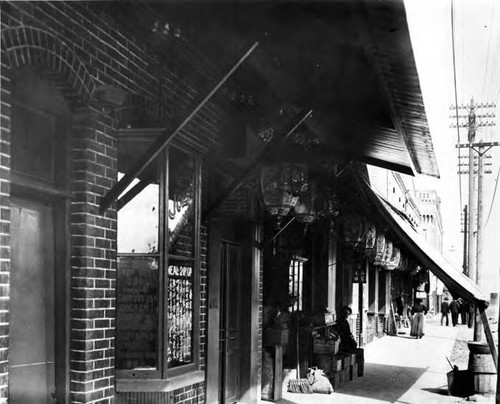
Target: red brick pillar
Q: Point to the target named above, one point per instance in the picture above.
(4, 228)
(93, 259)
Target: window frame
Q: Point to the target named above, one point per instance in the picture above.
(154, 379)
(296, 265)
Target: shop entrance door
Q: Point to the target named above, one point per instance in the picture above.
(31, 349)
(229, 323)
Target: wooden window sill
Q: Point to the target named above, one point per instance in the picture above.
(160, 385)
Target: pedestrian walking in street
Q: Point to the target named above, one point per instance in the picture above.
(445, 311)
(417, 324)
(454, 310)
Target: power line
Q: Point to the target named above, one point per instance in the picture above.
(456, 96)
(493, 199)
(488, 49)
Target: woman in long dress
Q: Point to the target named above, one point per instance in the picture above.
(417, 324)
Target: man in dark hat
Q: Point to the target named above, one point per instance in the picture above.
(454, 310)
(445, 310)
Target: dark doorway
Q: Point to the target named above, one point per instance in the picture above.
(229, 323)
(39, 304)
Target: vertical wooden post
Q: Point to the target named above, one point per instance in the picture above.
(251, 392)
(388, 285)
(488, 333)
(366, 302)
(478, 327)
(278, 372)
(332, 274)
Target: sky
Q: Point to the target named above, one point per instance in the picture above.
(477, 56)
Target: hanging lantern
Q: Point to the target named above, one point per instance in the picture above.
(308, 206)
(355, 228)
(281, 186)
(395, 259)
(316, 203)
(403, 263)
(378, 252)
(387, 254)
(370, 238)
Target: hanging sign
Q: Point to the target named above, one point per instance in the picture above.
(359, 273)
(378, 252)
(370, 239)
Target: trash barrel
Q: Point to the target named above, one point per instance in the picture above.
(482, 367)
(460, 383)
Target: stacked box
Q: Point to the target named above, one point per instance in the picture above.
(342, 367)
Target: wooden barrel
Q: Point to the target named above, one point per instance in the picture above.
(482, 367)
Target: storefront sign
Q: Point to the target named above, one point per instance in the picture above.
(359, 275)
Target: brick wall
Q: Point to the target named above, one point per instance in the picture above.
(93, 260)
(261, 328)
(4, 226)
(79, 51)
(203, 297)
(187, 395)
(109, 56)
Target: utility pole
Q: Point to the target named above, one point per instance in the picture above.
(465, 267)
(475, 236)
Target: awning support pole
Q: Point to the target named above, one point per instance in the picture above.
(237, 182)
(132, 193)
(488, 333)
(166, 137)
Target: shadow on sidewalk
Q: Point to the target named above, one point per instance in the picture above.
(383, 382)
(442, 391)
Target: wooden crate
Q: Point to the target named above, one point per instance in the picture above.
(325, 346)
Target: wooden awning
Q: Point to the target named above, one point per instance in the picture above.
(451, 276)
(351, 62)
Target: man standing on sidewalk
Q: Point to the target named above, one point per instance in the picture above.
(445, 311)
(454, 309)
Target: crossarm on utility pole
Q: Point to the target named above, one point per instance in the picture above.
(164, 139)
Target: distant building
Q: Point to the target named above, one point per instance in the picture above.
(431, 227)
(398, 190)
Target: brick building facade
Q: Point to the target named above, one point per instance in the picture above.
(75, 51)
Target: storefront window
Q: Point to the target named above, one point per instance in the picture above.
(181, 221)
(295, 281)
(180, 314)
(137, 313)
(137, 294)
(158, 231)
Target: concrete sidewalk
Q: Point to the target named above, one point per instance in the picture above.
(398, 369)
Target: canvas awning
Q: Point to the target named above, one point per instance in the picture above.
(452, 277)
